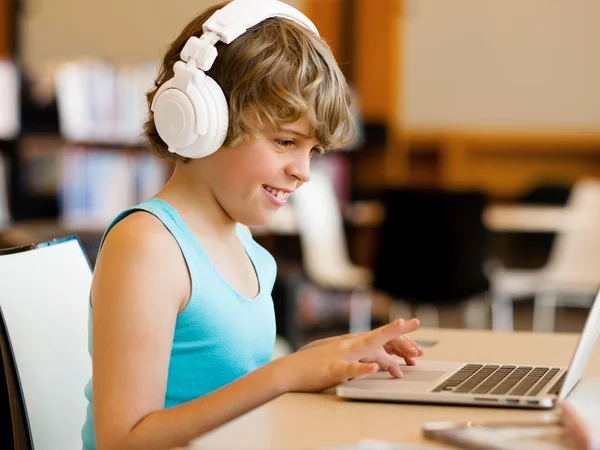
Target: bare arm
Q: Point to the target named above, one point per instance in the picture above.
(176, 426)
(140, 285)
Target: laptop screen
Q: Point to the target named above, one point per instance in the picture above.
(585, 349)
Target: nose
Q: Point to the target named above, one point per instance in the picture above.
(299, 168)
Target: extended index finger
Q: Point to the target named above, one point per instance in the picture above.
(380, 336)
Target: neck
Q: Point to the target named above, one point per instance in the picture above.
(189, 193)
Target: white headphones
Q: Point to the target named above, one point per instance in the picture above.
(190, 109)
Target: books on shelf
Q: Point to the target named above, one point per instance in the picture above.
(95, 185)
(9, 100)
(100, 102)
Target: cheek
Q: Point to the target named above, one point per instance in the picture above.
(255, 168)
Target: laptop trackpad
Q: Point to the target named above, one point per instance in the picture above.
(422, 375)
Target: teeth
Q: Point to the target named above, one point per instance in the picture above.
(279, 194)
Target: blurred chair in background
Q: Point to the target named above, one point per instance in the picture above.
(14, 433)
(9, 129)
(433, 251)
(529, 250)
(325, 257)
(45, 303)
(4, 209)
(572, 274)
(9, 100)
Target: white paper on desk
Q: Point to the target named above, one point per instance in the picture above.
(371, 444)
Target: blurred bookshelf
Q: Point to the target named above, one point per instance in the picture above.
(78, 164)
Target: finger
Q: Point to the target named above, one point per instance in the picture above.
(409, 361)
(354, 370)
(412, 342)
(402, 346)
(386, 362)
(380, 336)
(577, 427)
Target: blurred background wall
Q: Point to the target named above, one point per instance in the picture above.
(123, 31)
(509, 65)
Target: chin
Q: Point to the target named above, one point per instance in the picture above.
(257, 220)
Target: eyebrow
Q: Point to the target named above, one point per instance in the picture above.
(297, 133)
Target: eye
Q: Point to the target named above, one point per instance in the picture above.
(284, 143)
(316, 151)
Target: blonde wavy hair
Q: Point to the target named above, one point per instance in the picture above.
(271, 75)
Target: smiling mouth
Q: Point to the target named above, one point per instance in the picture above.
(280, 195)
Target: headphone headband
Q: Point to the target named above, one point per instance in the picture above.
(190, 110)
(235, 18)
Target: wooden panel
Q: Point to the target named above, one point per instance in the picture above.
(506, 167)
(503, 165)
(327, 16)
(374, 53)
(5, 28)
(376, 58)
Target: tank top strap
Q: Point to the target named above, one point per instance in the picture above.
(173, 223)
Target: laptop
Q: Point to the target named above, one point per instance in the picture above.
(501, 385)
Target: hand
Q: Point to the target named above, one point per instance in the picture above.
(577, 427)
(403, 346)
(331, 363)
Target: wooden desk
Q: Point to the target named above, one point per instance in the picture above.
(318, 421)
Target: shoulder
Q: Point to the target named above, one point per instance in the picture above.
(140, 252)
(141, 234)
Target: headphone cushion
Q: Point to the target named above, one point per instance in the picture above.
(221, 111)
(174, 113)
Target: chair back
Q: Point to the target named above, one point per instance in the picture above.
(433, 245)
(4, 207)
(10, 123)
(575, 256)
(321, 230)
(45, 302)
(14, 433)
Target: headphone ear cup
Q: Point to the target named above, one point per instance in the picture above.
(211, 111)
(221, 122)
(174, 116)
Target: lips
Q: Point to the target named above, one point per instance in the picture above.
(277, 196)
(279, 193)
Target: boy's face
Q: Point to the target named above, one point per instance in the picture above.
(257, 177)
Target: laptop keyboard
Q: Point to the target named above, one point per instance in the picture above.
(501, 380)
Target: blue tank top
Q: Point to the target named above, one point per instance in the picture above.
(221, 335)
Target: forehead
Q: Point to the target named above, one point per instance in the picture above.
(300, 126)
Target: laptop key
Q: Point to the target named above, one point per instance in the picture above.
(458, 377)
(543, 382)
(511, 380)
(493, 380)
(532, 378)
(473, 381)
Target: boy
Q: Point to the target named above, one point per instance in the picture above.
(182, 317)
